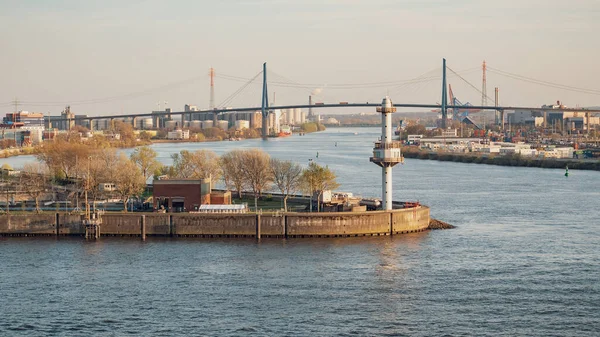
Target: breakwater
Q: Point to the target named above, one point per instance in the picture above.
(282, 225)
(507, 160)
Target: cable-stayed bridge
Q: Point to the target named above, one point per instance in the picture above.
(280, 81)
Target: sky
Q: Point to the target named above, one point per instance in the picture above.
(132, 56)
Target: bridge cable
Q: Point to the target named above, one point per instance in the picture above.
(544, 83)
(282, 78)
(169, 86)
(469, 83)
(419, 80)
(237, 92)
(285, 82)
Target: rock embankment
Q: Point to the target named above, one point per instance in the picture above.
(437, 224)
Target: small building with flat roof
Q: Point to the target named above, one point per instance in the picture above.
(186, 195)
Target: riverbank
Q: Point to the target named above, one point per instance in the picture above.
(24, 151)
(33, 150)
(508, 160)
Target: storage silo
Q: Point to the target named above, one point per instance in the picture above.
(207, 124)
(285, 115)
(171, 125)
(147, 123)
(102, 124)
(224, 125)
(297, 116)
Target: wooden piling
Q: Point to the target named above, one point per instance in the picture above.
(143, 227)
(57, 222)
(258, 226)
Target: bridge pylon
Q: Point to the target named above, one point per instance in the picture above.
(265, 104)
(444, 95)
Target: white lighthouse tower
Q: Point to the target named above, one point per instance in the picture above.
(386, 152)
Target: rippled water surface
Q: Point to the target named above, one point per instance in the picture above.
(524, 260)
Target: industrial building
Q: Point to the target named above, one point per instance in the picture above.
(555, 116)
(21, 128)
(159, 120)
(254, 118)
(25, 117)
(525, 117)
(293, 116)
(179, 134)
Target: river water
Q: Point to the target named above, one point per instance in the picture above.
(524, 260)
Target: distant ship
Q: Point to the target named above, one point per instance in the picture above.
(286, 130)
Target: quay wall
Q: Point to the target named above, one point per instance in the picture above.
(327, 224)
(508, 160)
(68, 224)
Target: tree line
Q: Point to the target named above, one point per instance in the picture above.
(82, 168)
(249, 170)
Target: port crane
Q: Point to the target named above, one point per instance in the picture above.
(459, 114)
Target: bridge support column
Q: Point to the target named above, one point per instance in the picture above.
(496, 112)
(265, 104)
(444, 95)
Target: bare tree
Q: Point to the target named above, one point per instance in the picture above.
(9, 184)
(317, 178)
(100, 167)
(108, 159)
(286, 176)
(125, 131)
(145, 158)
(231, 170)
(197, 165)
(62, 156)
(129, 180)
(255, 167)
(35, 181)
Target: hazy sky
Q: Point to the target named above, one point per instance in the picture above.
(142, 52)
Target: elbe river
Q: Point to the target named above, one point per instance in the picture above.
(523, 261)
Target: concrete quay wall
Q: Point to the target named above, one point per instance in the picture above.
(335, 224)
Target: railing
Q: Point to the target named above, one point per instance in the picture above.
(388, 145)
(387, 160)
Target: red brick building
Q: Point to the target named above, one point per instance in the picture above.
(186, 195)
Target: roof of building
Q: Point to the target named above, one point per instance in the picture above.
(234, 207)
(179, 181)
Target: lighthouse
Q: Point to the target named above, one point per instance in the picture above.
(386, 153)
